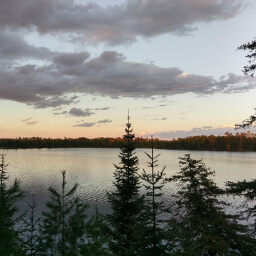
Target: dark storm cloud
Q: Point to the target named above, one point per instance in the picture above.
(79, 112)
(60, 80)
(115, 24)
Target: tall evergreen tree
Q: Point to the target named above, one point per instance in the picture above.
(154, 182)
(126, 201)
(207, 229)
(9, 195)
(63, 224)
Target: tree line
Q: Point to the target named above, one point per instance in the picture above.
(245, 141)
(141, 223)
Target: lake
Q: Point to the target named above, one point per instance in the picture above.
(92, 168)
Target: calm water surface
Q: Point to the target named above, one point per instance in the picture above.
(37, 169)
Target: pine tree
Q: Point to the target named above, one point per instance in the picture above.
(30, 232)
(9, 195)
(63, 225)
(251, 47)
(247, 189)
(97, 236)
(207, 229)
(156, 208)
(126, 202)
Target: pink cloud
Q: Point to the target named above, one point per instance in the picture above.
(32, 122)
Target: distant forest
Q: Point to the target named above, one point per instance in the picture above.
(197, 221)
(239, 142)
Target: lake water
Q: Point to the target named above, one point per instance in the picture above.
(92, 168)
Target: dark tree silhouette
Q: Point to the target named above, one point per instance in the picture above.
(9, 195)
(251, 47)
(97, 236)
(249, 70)
(154, 182)
(126, 202)
(247, 189)
(30, 238)
(63, 224)
(206, 228)
(246, 123)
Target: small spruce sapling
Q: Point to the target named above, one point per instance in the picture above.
(97, 236)
(153, 183)
(30, 233)
(63, 224)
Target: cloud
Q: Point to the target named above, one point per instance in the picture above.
(197, 131)
(60, 113)
(116, 24)
(105, 108)
(44, 101)
(79, 112)
(161, 105)
(110, 75)
(32, 122)
(28, 122)
(157, 119)
(71, 59)
(27, 119)
(86, 124)
(58, 83)
(13, 47)
(208, 127)
(104, 121)
(43, 78)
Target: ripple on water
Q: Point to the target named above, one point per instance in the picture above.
(38, 169)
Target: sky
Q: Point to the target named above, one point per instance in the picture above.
(74, 68)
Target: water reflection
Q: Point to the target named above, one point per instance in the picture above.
(37, 169)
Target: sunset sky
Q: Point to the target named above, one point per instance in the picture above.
(74, 68)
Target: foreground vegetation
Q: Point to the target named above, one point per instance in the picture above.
(141, 223)
(239, 142)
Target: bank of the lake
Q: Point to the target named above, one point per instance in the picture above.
(245, 141)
